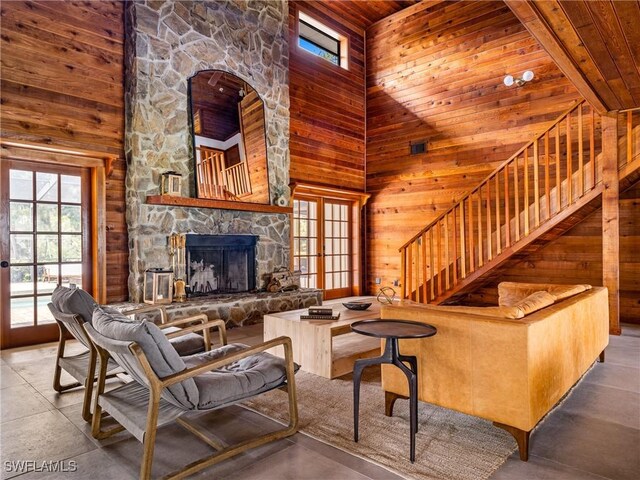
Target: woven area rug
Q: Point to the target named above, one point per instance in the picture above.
(449, 445)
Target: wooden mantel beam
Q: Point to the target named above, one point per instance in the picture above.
(530, 16)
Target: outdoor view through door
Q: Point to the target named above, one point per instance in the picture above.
(46, 244)
(322, 245)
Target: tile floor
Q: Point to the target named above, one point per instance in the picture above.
(595, 434)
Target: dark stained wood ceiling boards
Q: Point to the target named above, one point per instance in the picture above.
(595, 43)
(215, 95)
(361, 14)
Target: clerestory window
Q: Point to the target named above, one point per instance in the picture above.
(320, 40)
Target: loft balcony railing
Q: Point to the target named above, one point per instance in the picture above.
(215, 180)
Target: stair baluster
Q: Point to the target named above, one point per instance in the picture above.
(543, 179)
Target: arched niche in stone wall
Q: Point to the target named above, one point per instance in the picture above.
(228, 132)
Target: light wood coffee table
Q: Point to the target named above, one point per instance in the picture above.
(325, 347)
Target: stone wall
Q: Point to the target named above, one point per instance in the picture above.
(166, 43)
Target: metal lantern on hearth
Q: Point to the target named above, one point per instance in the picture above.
(158, 286)
(171, 184)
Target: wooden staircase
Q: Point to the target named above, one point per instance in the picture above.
(548, 186)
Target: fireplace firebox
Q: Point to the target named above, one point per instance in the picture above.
(220, 263)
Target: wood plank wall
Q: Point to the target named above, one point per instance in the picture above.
(62, 85)
(576, 257)
(436, 74)
(252, 120)
(327, 105)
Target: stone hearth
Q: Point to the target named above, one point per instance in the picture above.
(239, 309)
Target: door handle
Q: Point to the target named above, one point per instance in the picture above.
(4, 264)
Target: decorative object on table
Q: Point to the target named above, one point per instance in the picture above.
(320, 310)
(171, 184)
(158, 286)
(177, 243)
(320, 313)
(391, 331)
(357, 305)
(386, 295)
(284, 279)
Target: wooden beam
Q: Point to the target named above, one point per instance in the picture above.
(535, 23)
(611, 219)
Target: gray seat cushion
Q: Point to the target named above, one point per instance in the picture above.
(162, 356)
(74, 301)
(238, 380)
(187, 344)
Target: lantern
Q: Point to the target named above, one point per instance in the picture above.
(158, 286)
(171, 182)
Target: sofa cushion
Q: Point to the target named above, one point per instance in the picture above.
(74, 301)
(510, 293)
(534, 302)
(560, 292)
(496, 312)
(162, 357)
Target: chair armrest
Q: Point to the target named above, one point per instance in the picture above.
(205, 327)
(227, 359)
(149, 309)
(181, 321)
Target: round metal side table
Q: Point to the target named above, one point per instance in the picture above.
(392, 331)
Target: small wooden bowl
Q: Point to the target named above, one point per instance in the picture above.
(357, 305)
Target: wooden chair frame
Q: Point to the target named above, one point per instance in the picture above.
(156, 385)
(90, 378)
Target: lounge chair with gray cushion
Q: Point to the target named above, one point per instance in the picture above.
(73, 307)
(168, 387)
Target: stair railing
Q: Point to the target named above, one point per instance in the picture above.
(629, 122)
(237, 179)
(209, 166)
(543, 178)
(218, 182)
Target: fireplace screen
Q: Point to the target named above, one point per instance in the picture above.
(220, 263)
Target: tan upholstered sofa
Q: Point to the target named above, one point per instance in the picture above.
(509, 371)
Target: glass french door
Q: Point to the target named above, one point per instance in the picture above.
(322, 245)
(45, 242)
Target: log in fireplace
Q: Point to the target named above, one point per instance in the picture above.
(220, 263)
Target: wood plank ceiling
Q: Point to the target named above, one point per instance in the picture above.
(362, 14)
(595, 43)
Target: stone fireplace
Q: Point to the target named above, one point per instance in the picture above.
(166, 43)
(220, 264)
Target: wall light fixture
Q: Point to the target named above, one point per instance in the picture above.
(526, 77)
